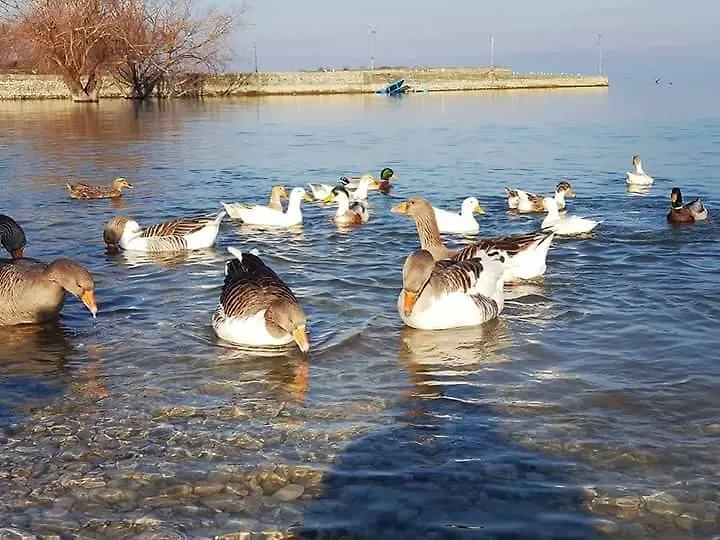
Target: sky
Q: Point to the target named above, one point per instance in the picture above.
(529, 35)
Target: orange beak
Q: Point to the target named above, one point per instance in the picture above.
(400, 208)
(301, 337)
(17, 253)
(409, 300)
(88, 298)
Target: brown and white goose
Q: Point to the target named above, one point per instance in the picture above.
(124, 232)
(525, 255)
(257, 309)
(34, 292)
(12, 236)
(448, 294)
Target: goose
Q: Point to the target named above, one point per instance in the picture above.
(462, 223)
(125, 233)
(566, 225)
(254, 214)
(383, 184)
(349, 212)
(257, 309)
(85, 191)
(12, 236)
(33, 292)
(277, 192)
(639, 177)
(437, 295)
(688, 213)
(524, 201)
(525, 255)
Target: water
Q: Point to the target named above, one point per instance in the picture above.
(589, 408)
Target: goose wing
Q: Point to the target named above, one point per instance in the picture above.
(510, 245)
(178, 227)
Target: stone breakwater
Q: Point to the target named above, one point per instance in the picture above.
(28, 86)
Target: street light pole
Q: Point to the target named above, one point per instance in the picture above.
(372, 32)
(255, 55)
(492, 51)
(600, 58)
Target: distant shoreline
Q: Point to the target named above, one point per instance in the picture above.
(19, 86)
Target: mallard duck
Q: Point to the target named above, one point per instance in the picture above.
(383, 184)
(348, 212)
(450, 294)
(12, 236)
(462, 223)
(34, 292)
(257, 309)
(254, 214)
(639, 177)
(688, 213)
(524, 201)
(84, 191)
(566, 225)
(525, 255)
(177, 235)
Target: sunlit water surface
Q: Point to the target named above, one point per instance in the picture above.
(590, 408)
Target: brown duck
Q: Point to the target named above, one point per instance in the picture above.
(85, 191)
(524, 255)
(685, 213)
(34, 292)
(12, 236)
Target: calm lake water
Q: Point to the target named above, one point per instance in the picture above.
(591, 408)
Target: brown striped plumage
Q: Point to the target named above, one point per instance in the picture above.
(164, 236)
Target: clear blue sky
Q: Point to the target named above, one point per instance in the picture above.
(545, 34)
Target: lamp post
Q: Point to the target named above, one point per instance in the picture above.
(372, 32)
(255, 55)
(492, 51)
(600, 58)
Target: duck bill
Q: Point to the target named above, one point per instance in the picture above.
(301, 337)
(401, 208)
(17, 253)
(330, 198)
(394, 177)
(479, 209)
(88, 298)
(570, 193)
(307, 198)
(409, 301)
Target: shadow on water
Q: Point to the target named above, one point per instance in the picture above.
(448, 470)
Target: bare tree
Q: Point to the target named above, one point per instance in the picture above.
(75, 36)
(158, 40)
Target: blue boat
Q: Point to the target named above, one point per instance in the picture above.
(395, 88)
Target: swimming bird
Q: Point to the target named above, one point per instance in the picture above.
(524, 201)
(688, 213)
(566, 225)
(638, 177)
(34, 292)
(383, 184)
(277, 192)
(12, 236)
(349, 212)
(255, 214)
(462, 223)
(360, 193)
(257, 309)
(524, 255)
(85, 191)
(125, 233)
(448, 294)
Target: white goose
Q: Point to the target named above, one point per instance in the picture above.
(177, 235)
(462, 223)
(639, 177)
(567, 225)
(448, 294)
(255, 214)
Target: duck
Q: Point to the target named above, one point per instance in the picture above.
(255, 214)
(349, 212)
(524, 201)
(32, 292)
(462, 223)
(383, 184)
(639, 177)
(360, 192)
(685, 213)
(277, 193)
(437, 295)
(124, 232)
(567, 225)
(320, 192)
(85, 191)
(524, 255)
(12, 236)
(257, 308)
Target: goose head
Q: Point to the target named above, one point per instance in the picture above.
(74, 279)
(285, 316)
(12, 237)
(417, 270)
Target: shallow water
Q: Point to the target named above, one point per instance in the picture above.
(590, 408)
